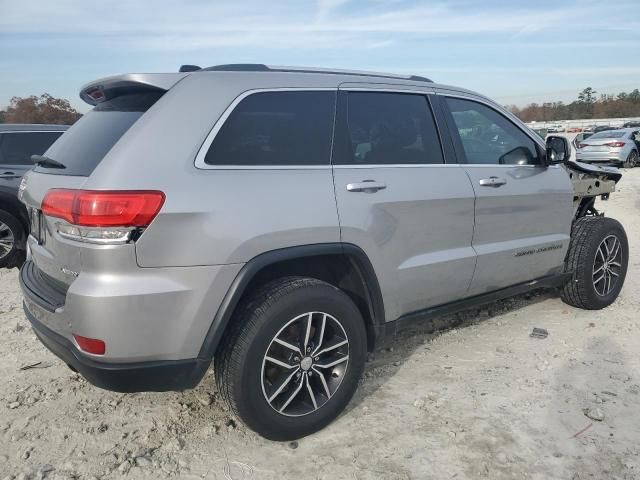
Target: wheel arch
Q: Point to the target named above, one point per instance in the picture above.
(331, 262)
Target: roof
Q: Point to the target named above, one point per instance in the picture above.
(31, 127)
(245, 75)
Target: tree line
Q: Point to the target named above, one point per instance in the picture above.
(588, 105)
(48, 109)
(40, 109)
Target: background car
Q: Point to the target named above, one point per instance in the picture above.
(17, 143)
(632, 124)
(617, 147)
(603, 128)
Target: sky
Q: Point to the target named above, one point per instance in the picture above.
(516, 51)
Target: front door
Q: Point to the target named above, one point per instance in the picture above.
(523, 208)
(399, 201)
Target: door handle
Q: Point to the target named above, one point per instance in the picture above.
(8, 175)
(368, 186)
(492, 182)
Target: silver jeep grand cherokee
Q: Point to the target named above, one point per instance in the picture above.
(281, 222)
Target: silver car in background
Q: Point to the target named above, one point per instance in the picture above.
(616, 147)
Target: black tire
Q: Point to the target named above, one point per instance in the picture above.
(632, 160)
(257, 321)
(583, 259)
(10, 227)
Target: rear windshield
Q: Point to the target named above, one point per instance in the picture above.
(86, 143)
(608, 134)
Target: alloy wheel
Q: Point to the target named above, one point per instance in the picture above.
(304, 364)
(6, 240)
(607, 265)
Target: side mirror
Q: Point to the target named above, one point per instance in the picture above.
(558, 150)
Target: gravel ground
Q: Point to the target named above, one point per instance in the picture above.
(479, 400)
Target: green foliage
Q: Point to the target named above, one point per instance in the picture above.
(587, 105)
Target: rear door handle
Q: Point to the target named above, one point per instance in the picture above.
(368, 186)
(492, 182)
(8, 175)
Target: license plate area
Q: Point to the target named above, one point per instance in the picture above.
(37, 226)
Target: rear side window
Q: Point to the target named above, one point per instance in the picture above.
(276, 128)
(16, 148)
(390, 128)
(86, 143)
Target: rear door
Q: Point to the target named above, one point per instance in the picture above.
(523, 209)
(409, 210)
(16, 149)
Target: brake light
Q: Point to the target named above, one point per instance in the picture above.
(88, 208)
(90, 345)
(615, 144)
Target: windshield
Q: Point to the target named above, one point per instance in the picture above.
(86, 143)
(609, 134)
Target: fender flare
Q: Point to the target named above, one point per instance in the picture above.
(239, 285)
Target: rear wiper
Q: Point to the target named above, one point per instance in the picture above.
(46, 162)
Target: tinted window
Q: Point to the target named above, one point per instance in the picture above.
(276, 128)
(390, 128)
(488, 137)
(86, 143)
(16, 148)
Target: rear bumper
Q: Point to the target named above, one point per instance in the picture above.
(158, 376)
(600, 159)
(47, 308)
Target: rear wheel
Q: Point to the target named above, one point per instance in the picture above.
(11, 237)
(598, 257)
(632, 160)
(294, 358)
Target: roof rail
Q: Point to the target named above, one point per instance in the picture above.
(259, 67)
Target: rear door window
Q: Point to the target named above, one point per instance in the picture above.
(276, 128)
(389, 129)
(87, 142)
(16, 148)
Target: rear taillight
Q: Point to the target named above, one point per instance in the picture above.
(90, 345)
(615, 144)
(108, 216)
(582, 145)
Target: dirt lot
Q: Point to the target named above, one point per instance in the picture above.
(483, 400)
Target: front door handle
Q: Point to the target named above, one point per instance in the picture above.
(492, 182)
(368, 186)
(8, 175)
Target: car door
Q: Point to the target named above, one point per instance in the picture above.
(523, 208)
(16, 149)
(399, 201)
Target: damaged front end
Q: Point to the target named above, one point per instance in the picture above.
(589, 182)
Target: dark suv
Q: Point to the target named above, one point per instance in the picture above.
(17, 143)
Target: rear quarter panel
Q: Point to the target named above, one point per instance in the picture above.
(221, 216)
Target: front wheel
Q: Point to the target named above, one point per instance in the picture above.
(598, 258)
(293, 359)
